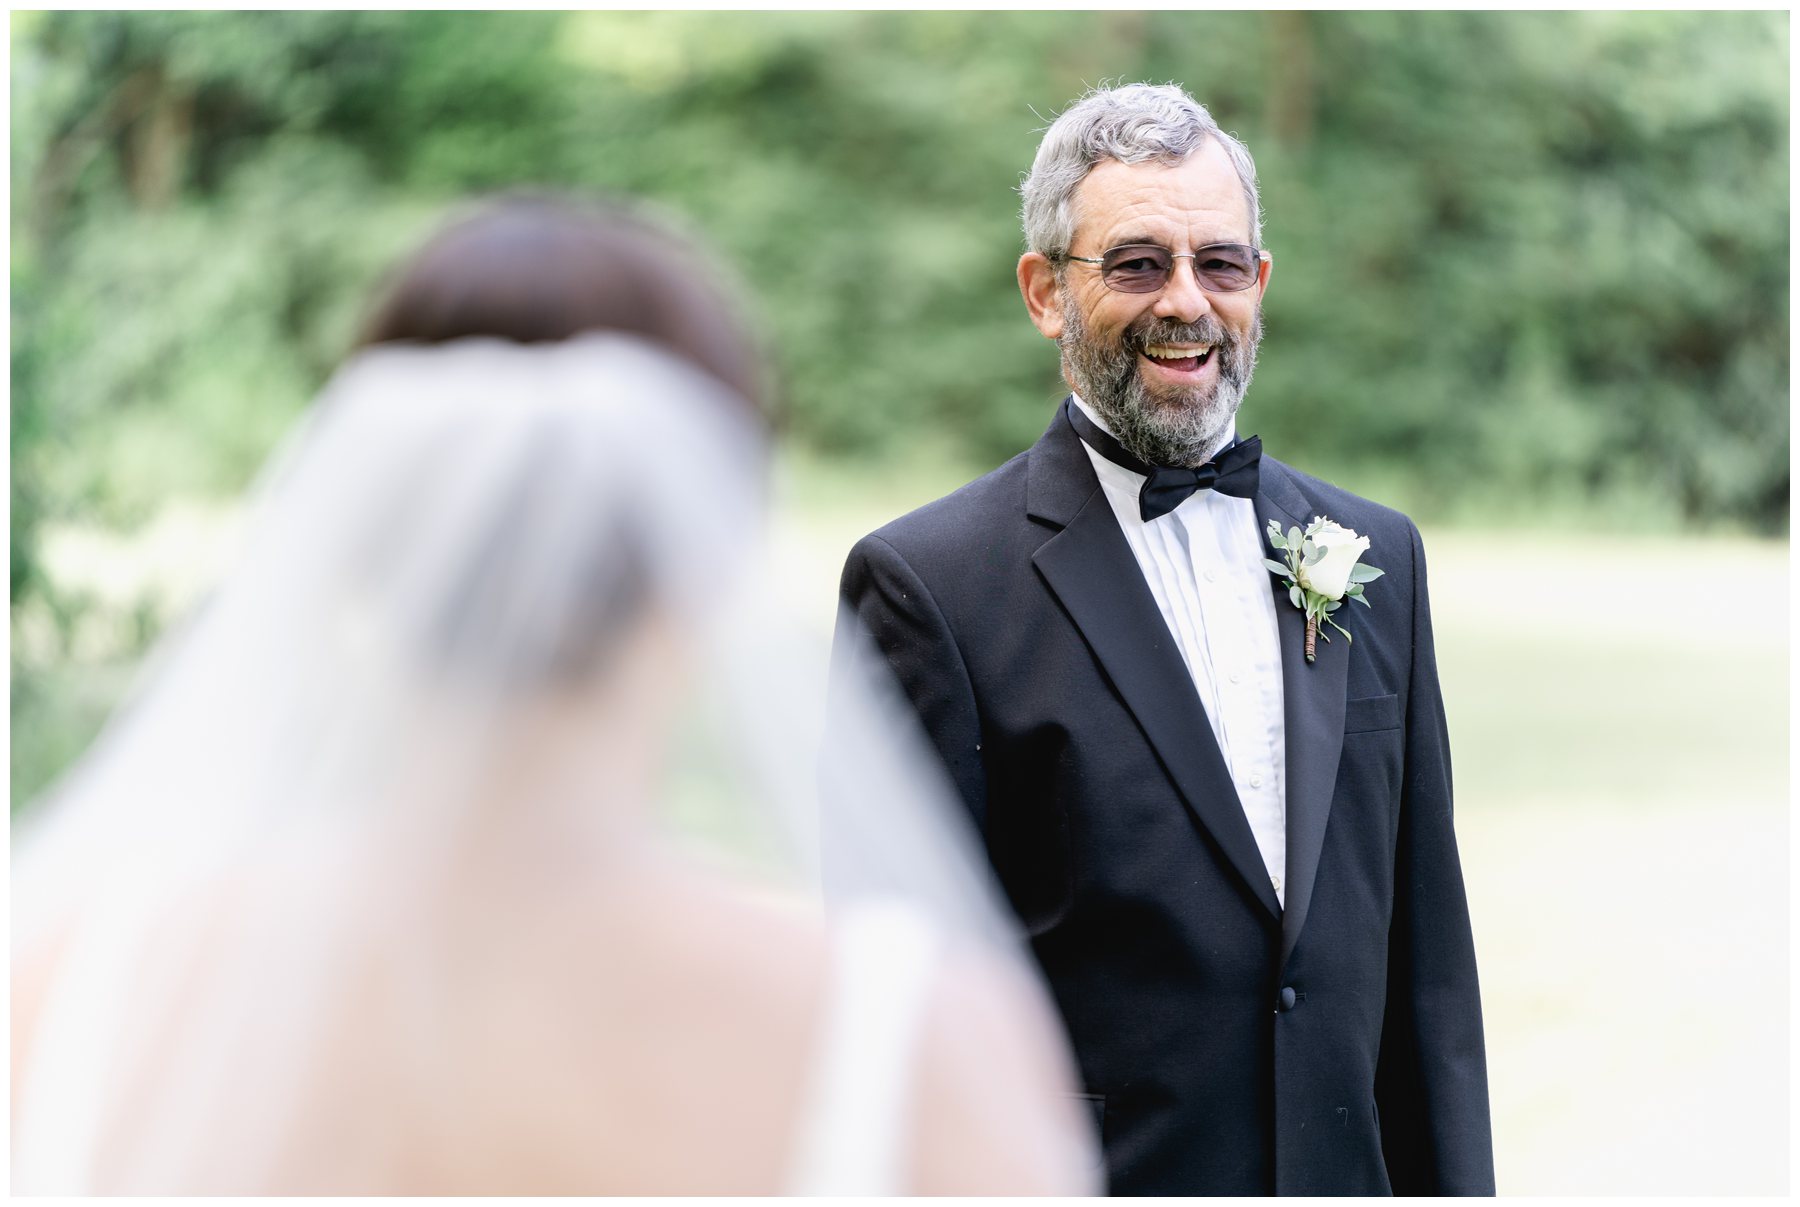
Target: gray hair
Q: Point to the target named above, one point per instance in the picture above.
(1130, 123)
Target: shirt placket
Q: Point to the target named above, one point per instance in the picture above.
(1243, 694)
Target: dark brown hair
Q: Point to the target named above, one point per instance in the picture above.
(534, 268)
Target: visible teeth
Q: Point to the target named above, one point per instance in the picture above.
(1165, 352)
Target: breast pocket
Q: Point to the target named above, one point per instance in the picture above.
(1374, 749)
(1372, 712)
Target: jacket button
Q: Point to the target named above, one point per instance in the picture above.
(1287, 998)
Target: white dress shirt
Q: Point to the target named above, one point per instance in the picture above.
(1203, 563)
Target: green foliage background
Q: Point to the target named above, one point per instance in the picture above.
(1530, 266)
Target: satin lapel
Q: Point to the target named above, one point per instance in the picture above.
(1092, 571)
(1312, 710)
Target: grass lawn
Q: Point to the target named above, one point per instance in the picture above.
(1622, 790)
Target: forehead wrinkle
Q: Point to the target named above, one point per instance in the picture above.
(1199, 197)
(1149, 222)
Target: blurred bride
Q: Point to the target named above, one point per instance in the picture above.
(466, 839)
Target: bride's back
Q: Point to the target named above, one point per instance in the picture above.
(361, 895)
(652, 1027)
(617, 1030)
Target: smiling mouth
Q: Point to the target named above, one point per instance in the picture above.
(1178, 359)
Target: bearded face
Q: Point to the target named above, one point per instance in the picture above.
(1158, 421)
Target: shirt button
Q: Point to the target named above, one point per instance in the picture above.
(1276, 881)
(1237, 677)
(1256, 781)
(1211, 576)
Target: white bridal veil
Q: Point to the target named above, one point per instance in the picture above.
(496, 643)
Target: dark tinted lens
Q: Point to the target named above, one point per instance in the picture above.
(1139, 269)
(1227, 267)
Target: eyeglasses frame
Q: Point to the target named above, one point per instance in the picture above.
(1262, 257)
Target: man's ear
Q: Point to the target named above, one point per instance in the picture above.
(1037, 284)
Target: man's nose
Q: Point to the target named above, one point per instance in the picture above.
(1182, 298)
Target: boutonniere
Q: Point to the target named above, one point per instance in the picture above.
(1321, 570)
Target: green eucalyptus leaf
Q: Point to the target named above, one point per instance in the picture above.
(1294, 595)
(1276, 567)
(1360, 573)
(1310, 551)
(1358, 597)
(1334, 605)
(1294, 536)
(1275, 537)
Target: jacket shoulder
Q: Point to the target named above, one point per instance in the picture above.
(1351, 510)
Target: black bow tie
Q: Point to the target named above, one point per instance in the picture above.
(1233, 472)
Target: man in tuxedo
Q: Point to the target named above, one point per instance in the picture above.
(1236, 864)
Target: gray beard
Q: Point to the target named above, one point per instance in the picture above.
(1176, 427)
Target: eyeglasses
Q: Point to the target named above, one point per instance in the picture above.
(1145, 267)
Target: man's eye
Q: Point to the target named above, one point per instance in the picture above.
(1139, 264)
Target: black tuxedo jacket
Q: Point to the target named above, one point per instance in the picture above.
(1229, 1046)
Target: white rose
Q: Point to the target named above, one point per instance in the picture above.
(1330, 575)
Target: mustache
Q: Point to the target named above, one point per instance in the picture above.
(1150, 330)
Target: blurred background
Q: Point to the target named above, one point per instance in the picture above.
(1531, 287)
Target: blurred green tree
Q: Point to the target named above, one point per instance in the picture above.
(1526, 263)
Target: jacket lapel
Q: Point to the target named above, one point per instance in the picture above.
(1091, 570)
(1313, 711)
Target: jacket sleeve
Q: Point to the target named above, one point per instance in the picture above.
(886, 601)
(1431, 1083)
